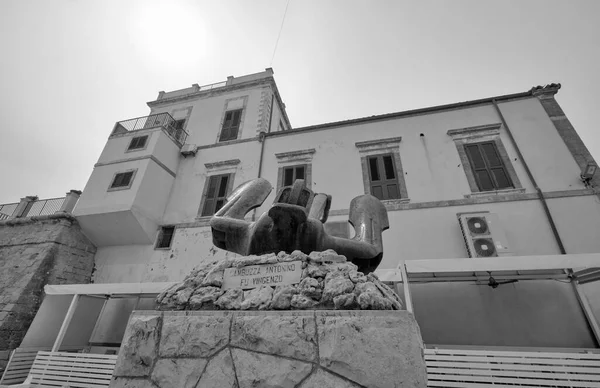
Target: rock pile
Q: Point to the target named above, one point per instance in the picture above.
(327, 281)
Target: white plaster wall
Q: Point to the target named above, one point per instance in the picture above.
(116, 147)
(204, 125)
(578, 222)
(435, 233)
(186, 196)
(95, 197)
(143, 263)
(547, 155)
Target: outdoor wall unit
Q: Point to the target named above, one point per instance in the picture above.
(484, 235)
(125, 197)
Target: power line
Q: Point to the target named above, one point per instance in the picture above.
(279, 35)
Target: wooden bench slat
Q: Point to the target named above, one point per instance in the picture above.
(69, 366)
(513, 360)
(517, 367)
(505, 373)
(504, 353)
(79, 355)
(506, 380)
(78, 359)
(80, 373)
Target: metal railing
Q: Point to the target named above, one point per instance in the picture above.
(162, 120)
(7, 210)
(212, 86)
(43, 207)
(39, 207)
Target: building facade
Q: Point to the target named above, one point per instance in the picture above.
(514, 161)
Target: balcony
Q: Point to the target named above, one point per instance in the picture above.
(170, 126)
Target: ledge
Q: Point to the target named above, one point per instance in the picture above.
(480, 130)
(294, 154)
(392, 141)
(231, 162)
(495, 193)
(30, 220)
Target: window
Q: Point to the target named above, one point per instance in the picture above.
(138, 142)
(231, 125)
(216, 194)
(165, 237)
(488, 169)
(383, 177)
(179, 123)
(290, 174)
(122, 180)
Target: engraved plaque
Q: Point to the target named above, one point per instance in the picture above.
(253, 276)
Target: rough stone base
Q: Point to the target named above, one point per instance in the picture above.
(295, 349)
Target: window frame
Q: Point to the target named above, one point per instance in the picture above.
(230, 177)
(464, 137)
(487, 166)
(112, 181)
(294, 159)
(160, 236)
(383, 181)
(382, 147)
(237, 128)
(129, 149)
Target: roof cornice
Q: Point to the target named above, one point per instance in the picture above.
(533, 92)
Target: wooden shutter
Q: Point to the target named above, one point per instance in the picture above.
(231, 125)
(216, 194)
(383, 177)
(488, 168)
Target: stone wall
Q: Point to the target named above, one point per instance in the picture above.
(283, 349)
(36, 251)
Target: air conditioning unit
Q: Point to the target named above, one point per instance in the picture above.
(484, 235)
(189, 149)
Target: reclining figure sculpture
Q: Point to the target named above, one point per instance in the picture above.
(295, 222)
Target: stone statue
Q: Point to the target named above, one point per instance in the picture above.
(295, 222)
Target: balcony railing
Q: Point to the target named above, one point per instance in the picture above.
(161, 120)
(38, 207)
(7, 210)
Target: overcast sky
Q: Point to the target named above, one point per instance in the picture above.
(70, 69)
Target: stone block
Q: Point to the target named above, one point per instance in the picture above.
(195, 335)
(323, 379)
(375, 349)
(266, 371)
(178, 372)
(290, 334)
(219, 372)
(140, 346)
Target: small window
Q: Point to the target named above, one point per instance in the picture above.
(290, 174)
(231, 125)
(488, 168)
(165, 237)
(122, 179)
(137, 143)
(179, 123)
(383, 177)
(216, 194)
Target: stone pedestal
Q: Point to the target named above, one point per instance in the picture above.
(295, 349)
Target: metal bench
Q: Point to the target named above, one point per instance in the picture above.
(487, 368)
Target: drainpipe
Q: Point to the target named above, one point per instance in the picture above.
(561, 247)
(261, 138)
